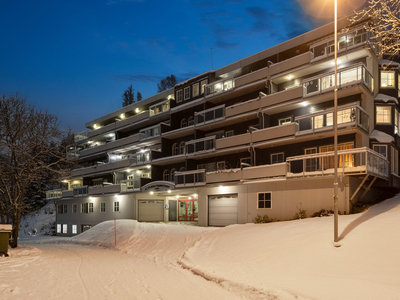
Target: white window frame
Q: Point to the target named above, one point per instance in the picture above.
(175, 149)
(102, 207)
(191, 121)
(74, 229)
(264, 200)
(195, 89)
(378, 149)
(186, 93)
(384, 118)
(203, 83)
(64, 228)
(284, 121)
(182, 148)
(179, 96)
(74, 208)
(91, 207)
(116, 206)
(172, 175)
(166, 175)
(387, 79)
(277, 154)
(59, 230)
(183, 123)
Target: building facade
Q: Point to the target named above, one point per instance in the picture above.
(252, 138)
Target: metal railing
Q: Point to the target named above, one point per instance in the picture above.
(150, 132)
(201, 145)
(80, 191)
(130, 185)
(220, 86)
(159, 108)
(190, 178)
(209, 115)
(350, 162)
(318, 121)
(81, 136)
(54, 194)
(347, 76)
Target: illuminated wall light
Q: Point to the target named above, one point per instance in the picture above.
(137, 110)
(138, 172)
(95, 126)
(195, 195)
(151, 193)
(148, 167)
(128, 170)
(304, 103)
(142, 150)
(169, 191)
(289, 77)
(177, 196)
(122, 116)
(190, 198)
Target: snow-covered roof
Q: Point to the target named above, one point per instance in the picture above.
(388, 62)
(386, 98)
(381, 136)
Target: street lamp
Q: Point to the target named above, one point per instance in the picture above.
(335, 146)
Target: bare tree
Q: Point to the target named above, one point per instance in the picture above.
(128, 96)
(30, 152)
(384, 26)
(166, 83)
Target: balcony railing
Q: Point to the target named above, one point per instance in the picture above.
(142, 158)
(104, 189)
(150, 132)
(220, 86)
(159, 108)
(209, 115)
(347, 76)
(81, 136)
(350, 162)
(54, 194)
(190, 178)
(350, 39)
(130, 185)
(80, 191)
(348, 115)
(201, 145)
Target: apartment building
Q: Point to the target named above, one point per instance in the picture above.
(252, 138)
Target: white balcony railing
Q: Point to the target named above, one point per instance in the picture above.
(81, 136)
(80, 191)
(350, 162)
(209, 115)
(54, 194)
(320, 121)
(150, 132)
(206, 144)
(357, 74)
(130, 185)
(159, 108)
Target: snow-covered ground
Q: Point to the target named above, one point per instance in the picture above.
(284, 260)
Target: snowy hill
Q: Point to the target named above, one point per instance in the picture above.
(40, 222)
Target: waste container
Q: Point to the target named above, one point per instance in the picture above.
(5, 230)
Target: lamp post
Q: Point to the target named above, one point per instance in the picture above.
(335, 146)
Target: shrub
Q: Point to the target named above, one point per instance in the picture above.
(301, 214)
(323, 213)
(263, 219)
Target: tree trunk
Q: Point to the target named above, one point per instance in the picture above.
(15, 229)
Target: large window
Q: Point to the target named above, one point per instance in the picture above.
(383, 114)
(179, 96)
(277, 158)
(264, 200)
(166, 175)
(195, 89)
(203, 83)
(116, 206)
(62, 209)
(182, 148)
(102, 207)
(190, 121)
(183, 123)
(381, 149)
(65, 228)
(85, 208)
(90, 207)
(284, 121)
(74, 229)
(58, 228)
(175, 150)
(187, 93)
(311, 163)
(387, 79)
(346, 160)
(74, 208)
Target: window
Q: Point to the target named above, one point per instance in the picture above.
(183, 123)
(58, 228)
(264, 200)
(85, 208)
(195, 89)
(62, 208)
(211, 167)
(190, 121)
(394, 161)
(102, 207)
(203, 83)
(276, 158)
(74, 229)
(175, 149)
(74, 208)
(90, 207)
(220, 165)
(381, 149)
(396, 121)
(284, 121)
(383, 114)
(173, 175)
(97, 181)
(182, 148)
(187, 93)
(201, 167)
(65, 228)
(166, 175)
(311, 163)
(387, 79)
(229, 133)
(116, 206)
(179, 96)
(346, 160)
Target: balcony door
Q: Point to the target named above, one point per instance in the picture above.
(344, 161)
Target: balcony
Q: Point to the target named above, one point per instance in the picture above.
(112, 145)
(104, 189)
(104, 167)
(190, 178)
(348, 116)
(80, 191)
(130, 185)
(159, 108)
(200, 146)
(67, 193)
(219, 87)
(150, 132)
(356, 161)
(54, 194)
(353, 75)
(81, 136)
(209, 115)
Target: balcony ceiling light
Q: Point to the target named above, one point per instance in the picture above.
(148, 167)
(169, 191)
(151, 193)
(304, 103)
(137, 110)
(289, 77)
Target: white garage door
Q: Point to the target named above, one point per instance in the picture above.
(222, 210)
(151, 211)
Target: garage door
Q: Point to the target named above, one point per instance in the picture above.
(222, 210)
(151, 211)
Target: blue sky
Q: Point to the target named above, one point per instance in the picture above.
(75, 58)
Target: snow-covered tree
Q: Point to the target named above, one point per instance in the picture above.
(31, 153)
(384, 25)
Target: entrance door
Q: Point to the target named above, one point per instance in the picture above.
(188, 210)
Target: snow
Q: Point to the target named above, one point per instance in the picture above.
(283, 260)
(388, 62)
(381, 136)
(386, 98)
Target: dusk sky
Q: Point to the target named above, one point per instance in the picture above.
(75, 58)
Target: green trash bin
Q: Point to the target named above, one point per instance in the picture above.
(5, 230)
